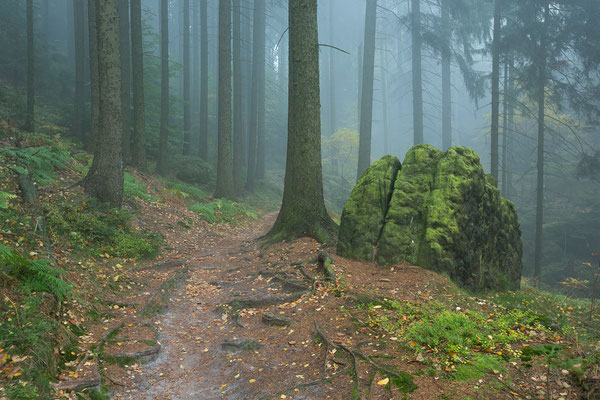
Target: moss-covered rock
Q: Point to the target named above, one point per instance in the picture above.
(192, 170)
(364, 214)
(444, 214)
(405, 220)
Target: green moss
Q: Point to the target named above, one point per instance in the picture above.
(405, 220)
(364, 214)
(445, 214)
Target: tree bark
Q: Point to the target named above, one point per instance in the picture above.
(417, 74)
(104, 180)
(29, 124)
(187, 98)
(225, 187)
(125, 49)
(238, 138)
(495, 89)
(258, 64)
(203, 137)
(138, 158)
(78, 17)
(303, 208)
(539, 213)
(446, 78)
(504, 129)
(366, 109)
(332, 110)
(195, 43)
(94, 88)
(260, 144)
(163, 141)
(384, 101)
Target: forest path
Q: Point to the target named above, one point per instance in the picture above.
(218, 340)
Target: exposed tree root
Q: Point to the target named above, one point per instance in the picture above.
(325, 262)
(357, 354)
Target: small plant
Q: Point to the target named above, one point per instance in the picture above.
(35, 275)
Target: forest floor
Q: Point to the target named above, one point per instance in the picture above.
(225, 318)
(217, 315)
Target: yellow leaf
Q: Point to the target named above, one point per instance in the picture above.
(252, 380)
(384, 381)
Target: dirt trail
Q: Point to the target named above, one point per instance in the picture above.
(192, 364)
(231, 283)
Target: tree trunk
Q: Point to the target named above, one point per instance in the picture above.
(238, 139)
(125, 48)
(417, 77)
(163, 141)
(360, 78)
(138, 158)
(504, 129)
(332, 113)
(303, 208)
(77, 128)
(366, 108)
(511, 126)
(195, 43)
(446, 78)
(187, 89)
(94, 88)
(225, 186)
(495, 89)
(29, 125)
(260, 126)
(247, 60)
(539, 210)
(104, 180)
(203, 137)
(258, 54)
(384, 101)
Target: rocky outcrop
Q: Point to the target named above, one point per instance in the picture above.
(442, 213)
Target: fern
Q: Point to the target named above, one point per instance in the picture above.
(5, 199)
(36, 275)
(40, 162)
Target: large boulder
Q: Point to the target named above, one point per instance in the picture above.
(364, 214)
(191, 170)
(443, 213)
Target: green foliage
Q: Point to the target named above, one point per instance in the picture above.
(185, 191)
(340, 155)
(223, 210)
(40, 162)
(479, 366)
(101, 231)
(132, 188)
(457, 336)
(35, 275)
(5, 198)
(25, 331)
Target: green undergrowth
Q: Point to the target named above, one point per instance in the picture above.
(466, 338)
(33, 275)
(90, 227)
(132, 188)
(210, 209)
(27, 337)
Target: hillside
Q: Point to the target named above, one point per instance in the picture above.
(91, 295)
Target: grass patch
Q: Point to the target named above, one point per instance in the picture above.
(26, 336)
(97, 230)
(133, 189)
(223, 210)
